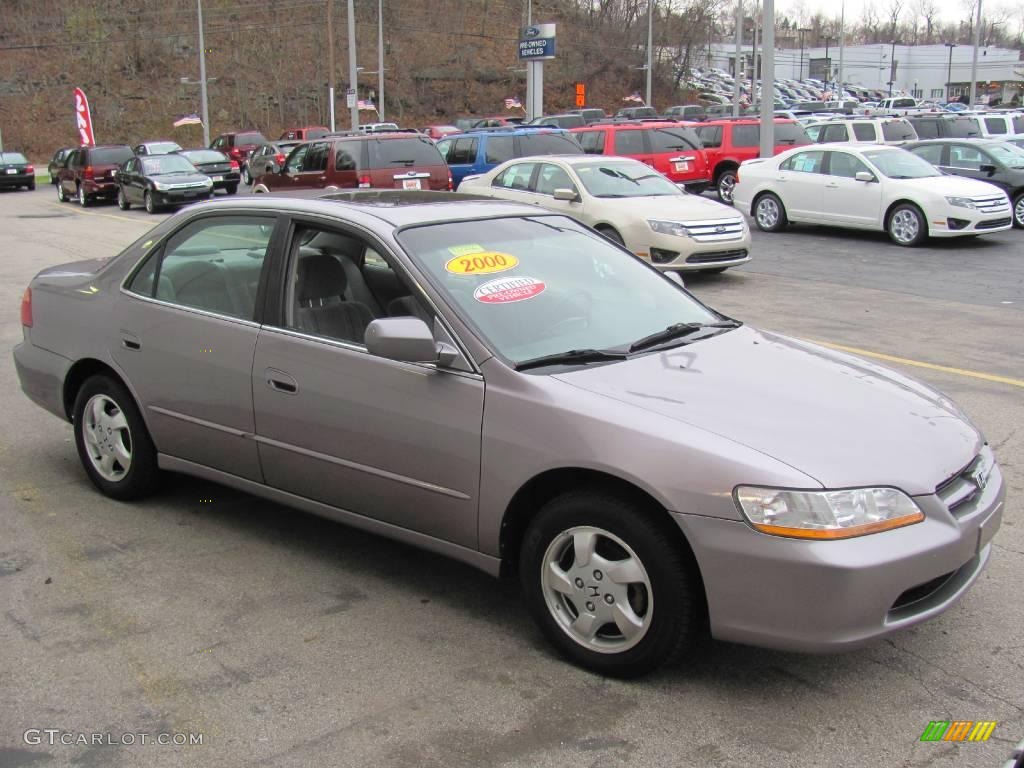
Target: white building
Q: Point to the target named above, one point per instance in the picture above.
(923, 71)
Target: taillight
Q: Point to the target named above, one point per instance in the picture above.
(88, 173)
(234, 165)
(279, 159)
(364, 182)
(30, 169)
(235, 152)
(26, 308)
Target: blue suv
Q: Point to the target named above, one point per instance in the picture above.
(478, 150)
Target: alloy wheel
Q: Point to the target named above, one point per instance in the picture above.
(904, 226)
(727, 186)
(83, 199)
(597, 590)
(108, 439)
(1018, 211)
(767, 213)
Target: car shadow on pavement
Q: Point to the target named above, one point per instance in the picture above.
(881, 239)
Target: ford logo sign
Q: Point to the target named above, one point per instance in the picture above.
(531, 32)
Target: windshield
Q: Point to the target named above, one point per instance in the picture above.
(205, 156)
(152, 166)
(623, 179)
(548, 144)
(900, 164)
(543, 285)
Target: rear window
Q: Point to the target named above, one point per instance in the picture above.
(548, 144)
(672, 139)
(252, 138)
(403, 153)
(206, 156)
(110, 155)
(898, 130)
(12, 157)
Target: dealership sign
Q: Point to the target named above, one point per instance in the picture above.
(537, 42)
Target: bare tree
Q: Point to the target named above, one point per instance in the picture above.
(927, 11)
(893, 10)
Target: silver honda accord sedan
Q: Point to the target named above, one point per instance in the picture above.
(509, 388)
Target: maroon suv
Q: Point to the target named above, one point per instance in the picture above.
(239, 145)
(90, 173)
(378, 160)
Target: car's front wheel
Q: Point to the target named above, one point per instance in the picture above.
(147, 200)
(246, 176)
(61, 194)
(608, 585)
(113, 444)
(769, 213)
(122, 200)
(907, 226)
(612, 234)
(1018, 211)
(726, 185)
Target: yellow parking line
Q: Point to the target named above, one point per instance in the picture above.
(70, 207)
(920, 364)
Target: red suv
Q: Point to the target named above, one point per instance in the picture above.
(378, 160)
(671, 148)
(728, 143)
(308, 133)
(238, 145)
(89, 173)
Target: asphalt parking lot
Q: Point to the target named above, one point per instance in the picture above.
(286, 640)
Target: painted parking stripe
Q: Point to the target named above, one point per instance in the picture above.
(71, 207)
(919, 364)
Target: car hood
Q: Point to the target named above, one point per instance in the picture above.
(842, 420)
(179, 178)
(951, 185)
(674, 207)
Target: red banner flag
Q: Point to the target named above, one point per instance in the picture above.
(83, 120)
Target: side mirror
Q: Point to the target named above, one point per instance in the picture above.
(988, 168)
(864, 176)
(675, 277)
(568, 195)
(407, 339)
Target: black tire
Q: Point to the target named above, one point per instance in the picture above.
(142, 476)
(725, 183)
(677, 617)
(612, 235)
(61, 194)
(902, 230)
(31, 187)
(715, 271)
(246, 176)
(122, 199)
(147, 201)
(1018, 211)
(231, 189)
(773, 217)
(83, 198)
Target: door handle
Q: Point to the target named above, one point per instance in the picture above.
(280, 381)
(831, 186)
(130, 341)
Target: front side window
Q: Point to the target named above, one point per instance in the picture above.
(552, 177)
(966, 158)
(804, 162)
(296, 159)
(213, 264)
(463, 152)
(846, 165)
(534, 286)
(316, 158)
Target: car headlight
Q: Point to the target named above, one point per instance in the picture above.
(161, 187)
(668, 227)
(207, 183)
(826, 514)
(961, 202)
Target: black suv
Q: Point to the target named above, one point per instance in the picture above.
(948, 126)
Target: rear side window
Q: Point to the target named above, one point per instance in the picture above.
(785, 133)
(629, 142)
(834, 132)
(345, 156)
(898, 130)
(1018, 124)
(591, 141)
(995, 125)
(548, 144)
(672, 139)
(864, 131)
(463, 151)
(110, 155)
(804, 162)
(964, 128)
(403, 153)
(926, 129)
(750, 135)
(710, 135)
(499, 149)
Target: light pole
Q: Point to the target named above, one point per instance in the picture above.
(828, 61)
(767, 148)
(738, 68)
(949, 69)
(802, 31)
(974, 57)
(650, 47)
(202, 77)
(353, 94)
(380, 60)
(892, 66)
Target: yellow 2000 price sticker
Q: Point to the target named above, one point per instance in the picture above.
(484, 263)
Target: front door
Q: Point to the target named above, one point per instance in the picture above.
(846, 201)
(186, 337)
(397, 442)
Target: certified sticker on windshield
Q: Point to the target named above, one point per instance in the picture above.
(483, 263)
(506, 290)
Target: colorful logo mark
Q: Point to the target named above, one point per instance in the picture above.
(958, 730)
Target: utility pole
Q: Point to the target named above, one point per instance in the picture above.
(202, 77)
(380, 59)
(828, 61)
(330, 59)
(949, 68)
(755, 97)
(650, 47)
(737, 69)
(842, 47)
(974, 57)
(802, 31)
(353, 95)
(892, 67)
(768, 79)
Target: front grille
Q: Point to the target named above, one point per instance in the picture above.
(990, 204)
(714, 230)
(716, 256)
(993, 224)
(921, 591)
(963, 488)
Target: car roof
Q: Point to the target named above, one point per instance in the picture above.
(398, 208)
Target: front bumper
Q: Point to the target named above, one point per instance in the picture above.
(956, 222)
(827, 596)
(684, 254)
(42, 375)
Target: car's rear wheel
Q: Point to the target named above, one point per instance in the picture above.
(907, 226)
(1018, 211)
(147, 200)
(246, 176)
(83, 199)
(769, 213)
(726, 185)
(122, 200)
(612, 234)
(231, 189)
(608, 586)
(113, 444)
(61, 194)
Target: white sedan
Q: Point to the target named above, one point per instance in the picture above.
(868, 187)
(629, 203)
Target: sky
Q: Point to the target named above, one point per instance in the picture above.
(949, 10)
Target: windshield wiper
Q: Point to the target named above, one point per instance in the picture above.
(677, 331)
(572, 357)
